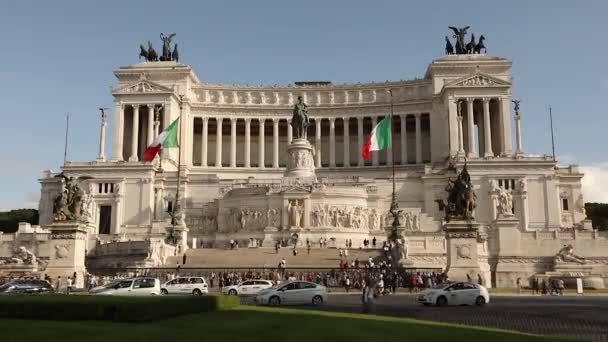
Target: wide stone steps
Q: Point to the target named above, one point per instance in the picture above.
(267, 257)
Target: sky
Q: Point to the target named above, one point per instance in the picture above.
(57, 57)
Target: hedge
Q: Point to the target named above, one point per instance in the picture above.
(107, 308)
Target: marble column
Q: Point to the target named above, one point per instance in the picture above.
(102, 136)
(520, 149)
(504, 106)
(389, 151)
(204, 142)
(119, 124)
(332, 142)
(472, 152)
(289, 132)
(218, 143)
(403, 134)
(261, 144)
(318, 142)
(418, 139)
(247, 142)
(150, 124)
(487, 129)
(460, 136)
(233, 122)
(346, 142)
(135, 134)
(360, 143)
(375, 161)
(275, 143)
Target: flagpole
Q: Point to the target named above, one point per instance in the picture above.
(552, 139)
(394, 209)
(67, 128)
(179, 162)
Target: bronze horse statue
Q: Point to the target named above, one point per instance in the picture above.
(299, 119)
(449, 49)
(470, 47)
(149, 54)
(480, 45)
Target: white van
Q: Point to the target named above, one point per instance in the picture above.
(186, 285)
(143, 286)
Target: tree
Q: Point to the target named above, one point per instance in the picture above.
(9, 220)
(598, 214)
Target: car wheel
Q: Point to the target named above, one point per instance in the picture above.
(274, 301)
(164, 291)
(232, 292)
(480, 301)
(317, 300)
(441, 301)
(197, 292)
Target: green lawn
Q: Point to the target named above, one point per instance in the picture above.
(255, 324)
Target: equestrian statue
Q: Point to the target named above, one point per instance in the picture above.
(299, 119)
(460, 48)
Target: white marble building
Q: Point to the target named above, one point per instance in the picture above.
(234, 140)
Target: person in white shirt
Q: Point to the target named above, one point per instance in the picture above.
(380, 286)
(69, 286)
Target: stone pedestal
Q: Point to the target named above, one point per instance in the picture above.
(67, 251)
(182, 233)
(300, 163)
(462, 258)
(509, 235)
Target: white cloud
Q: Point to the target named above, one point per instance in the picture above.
(595, 183)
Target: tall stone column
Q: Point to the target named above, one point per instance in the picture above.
(460, 137)
(289, 132)
(150, 124)
(360, 143)
(346, 142)
(102, 136)
(486, 128)
(135, 134)
(403, 123)
(472, 152)
(452, 126)
(332, 142)
(318, 142)
(375, 154)
(520, 149)
(504, 106)
(218, 142)
(247, 142)
(204, 142)
(418, 139)
(119, 124)
(261, 144)
(233, 142)
(275, 143)
(389, 151)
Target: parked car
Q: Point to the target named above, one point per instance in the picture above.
(142, 286)
(26, 286)
(185, 285)
(247, 287)
(294, 292)
(461, 293)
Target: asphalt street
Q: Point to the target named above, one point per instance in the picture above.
(567, 316)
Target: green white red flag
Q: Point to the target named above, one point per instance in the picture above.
(379, 139)
(166, 139)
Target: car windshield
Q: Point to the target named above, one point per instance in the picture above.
(441, 286)
(113, 283)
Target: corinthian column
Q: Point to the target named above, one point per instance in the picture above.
(204, 142)
(102, 136)
(460, 137)
(261, 144)
(375, 161)
(403, 122)
(119, 124)
(520, 148)
(346, 142)
(361, 162)
(218, 143)
(332, 142)
(150, 124)
(247, 142)
(486, 128)
(289, 132)
(134, 134)
(318, 142)
(233, 142)
(275, 143)
(418, 139)
(472, 152)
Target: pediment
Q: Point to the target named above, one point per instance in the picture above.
(142, 87)
(478, 80)
(296, 189)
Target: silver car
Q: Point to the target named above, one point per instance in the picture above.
(248, 287)
(291, 293)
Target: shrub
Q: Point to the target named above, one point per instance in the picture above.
(120, 309)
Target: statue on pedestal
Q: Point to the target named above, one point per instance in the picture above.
(299, 119)
(72, 204)
(461, 197)
(566, 254)
(505, 203)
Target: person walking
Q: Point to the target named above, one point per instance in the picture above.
(368, 297)
(347, 284)
(69, 286)
(560, 286)
(58, 284)
(535, 285)
(184, 259)
(374, 242)
(518, 284)
(308, 248)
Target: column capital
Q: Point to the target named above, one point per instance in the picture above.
(469, 99)
(486, 99)
(332, 120)
(417, 115)
(247, 120)
(135, 106)
(205, 119)
(219, 118)
(233, 120)
(275, 121)
(261, 119)
(151, 105)
(345, 118)
(360, 118)
(318, 121)
(403, 116)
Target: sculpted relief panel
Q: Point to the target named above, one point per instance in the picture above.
(345, 217)
(407, 219)
(250, 219)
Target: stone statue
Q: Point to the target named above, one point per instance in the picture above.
(68, 205)
(461, 197)
(566, 254)
(459, 34)
(166, 56)
(470, 47)
(175, 54)
(505, 204)
(24, 256)
(449, 49)
(480, 45)
(299, 119)
(516, 106)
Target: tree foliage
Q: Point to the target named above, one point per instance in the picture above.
(9, 220)
(598, 214)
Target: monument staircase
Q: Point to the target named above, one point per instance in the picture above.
(267, 257)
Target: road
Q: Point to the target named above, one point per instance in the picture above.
(568, 316)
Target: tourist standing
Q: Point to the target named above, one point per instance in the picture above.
(308, 248)
(374, 242)
(58, 284)
(518, 283)
(184, 259)
(347, 284)
(69, 286)
(345, 253)
(535, 285)
(212, 279)
(367, 297)
(560, 286)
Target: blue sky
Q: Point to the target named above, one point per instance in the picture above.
(57, 57)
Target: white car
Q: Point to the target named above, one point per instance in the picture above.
(186, 285)
(460, 293)
(248, 287)
(143, 286)
(294, 292)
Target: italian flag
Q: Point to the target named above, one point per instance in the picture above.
(379, 139)
(167, 138)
